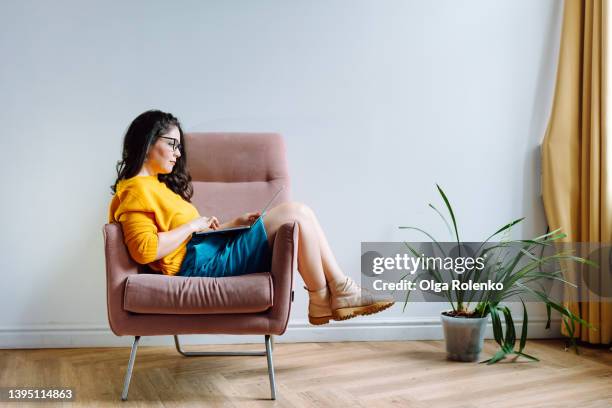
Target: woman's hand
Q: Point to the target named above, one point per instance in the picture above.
(204, 224)
(247, 218)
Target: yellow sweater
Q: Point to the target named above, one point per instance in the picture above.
(144, 206)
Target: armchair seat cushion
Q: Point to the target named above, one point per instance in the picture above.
(164, 294)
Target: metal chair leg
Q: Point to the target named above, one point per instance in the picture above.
(128, 374)
(214, 353)
(270, 367)
(269, 341)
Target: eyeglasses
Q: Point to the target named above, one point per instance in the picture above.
(175, 144)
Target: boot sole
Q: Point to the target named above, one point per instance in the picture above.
(350, 312)
(318, 320)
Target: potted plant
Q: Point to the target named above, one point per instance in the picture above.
(464, 325)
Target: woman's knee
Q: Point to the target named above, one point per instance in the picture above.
(298, 210)
(292, 211)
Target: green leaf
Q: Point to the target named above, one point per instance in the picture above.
(524, 328)
(450, 210)
(530, 241)
(547, 234)
(405, 303)
(429, 235)
(510, 339)
(561, 309)
(450, 231)
(571, 332)
(526, 355)
(505, 227)
(498, 356)
(496, 323)
(565, 311)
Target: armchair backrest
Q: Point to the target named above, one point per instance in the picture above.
(233, 173)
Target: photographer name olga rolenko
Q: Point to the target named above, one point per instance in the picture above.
(437, 287)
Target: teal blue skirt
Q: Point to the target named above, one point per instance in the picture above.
(228, 254)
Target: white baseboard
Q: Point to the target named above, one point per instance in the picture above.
(74, 336)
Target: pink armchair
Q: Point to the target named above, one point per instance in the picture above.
(232, 173)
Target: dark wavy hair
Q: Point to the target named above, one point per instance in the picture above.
(140, 136)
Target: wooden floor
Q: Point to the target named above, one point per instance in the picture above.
(355, 374)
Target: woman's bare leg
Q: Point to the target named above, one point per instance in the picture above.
(330, 264)
(316, 262)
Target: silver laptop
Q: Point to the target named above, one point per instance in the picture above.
(240, 227)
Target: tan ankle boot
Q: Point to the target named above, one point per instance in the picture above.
(349, 300)
(319, 311)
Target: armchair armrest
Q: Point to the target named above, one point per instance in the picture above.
(119, 265)
(284, 264)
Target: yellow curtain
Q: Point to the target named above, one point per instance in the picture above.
(576, 172)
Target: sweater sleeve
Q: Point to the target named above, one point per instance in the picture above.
(139, 228)
(140, 234)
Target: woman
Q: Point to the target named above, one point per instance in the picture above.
(152, 201)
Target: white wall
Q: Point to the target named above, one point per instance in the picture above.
(377, 100)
